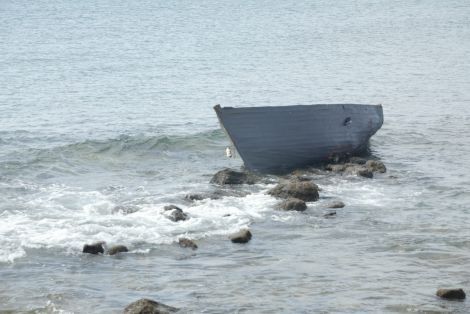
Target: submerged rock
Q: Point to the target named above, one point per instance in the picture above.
(187, 243)
(117, 249)
(358, 166)
(147, 306)
(229, 176)
(357, 160)
(330, 214)
(176, 213)
(293, 204)
(125, 209)
(215, 195)
(335, 204)
(306, 191)
(451, 294)
(94, 248)
(242, 236)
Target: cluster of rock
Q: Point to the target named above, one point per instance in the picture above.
(98, 248)
(358, 166)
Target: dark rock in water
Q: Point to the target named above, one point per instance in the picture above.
(171, 207)
(187, 243)
(229, 176)
(195, 197)
(358, 160)
(94, 248)
(376, 166)
(147, 306)
(336, 204)
(306, 191)
(293, 204)
(242, 236)
(117, 249)
(176, 214)
(330, 214)
(358, 170)
(451, 294)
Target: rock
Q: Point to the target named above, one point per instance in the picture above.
(147, 306)
(306, 191)
(94, 248)
(336, 204)
(187, 243)
(376, 166)
(451, 294)
(242, 236)
(171, 207)
(358, 170)
(195, 197)
(117, 249)
(293, 204)
(176, 214)
(229, 176)
(330, 214)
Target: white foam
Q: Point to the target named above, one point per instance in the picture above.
(64, 218)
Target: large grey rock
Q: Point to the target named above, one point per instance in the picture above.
(117, 249)
(187, 243)
(293, 204)
(94, 248)
(306, 191)
(451, 294)
(229, 176)
(242, 236)
(175, 213)
(147, 306)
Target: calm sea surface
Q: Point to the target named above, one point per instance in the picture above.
(106, 109)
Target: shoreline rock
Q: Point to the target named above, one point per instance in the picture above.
(242, 236)
(117, 249)
(306, 191)
(292, 204)
(147, 306)
(229, 176)
(451, 294)
(335, 204)
(176, 214)
(187, 243)
(94, 248)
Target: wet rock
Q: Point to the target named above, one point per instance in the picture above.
(242, 236)
(330, 214)
(176, 214)
(306, 191)
(117, 249)
(187, 243)
(451, 294)
(147, 306)
(94, 248)
(358, 170)
(171, 207)
(229, 176)
(195, 197)
(336, 204)
(293, 204)
(376, 166)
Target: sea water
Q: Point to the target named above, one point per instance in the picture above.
(106, 117)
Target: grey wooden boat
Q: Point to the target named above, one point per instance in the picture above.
(282, 138)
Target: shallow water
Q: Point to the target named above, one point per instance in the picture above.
(106, 109)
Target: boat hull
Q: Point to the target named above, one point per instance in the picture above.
(278, 139)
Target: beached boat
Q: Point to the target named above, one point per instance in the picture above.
(282, 138)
